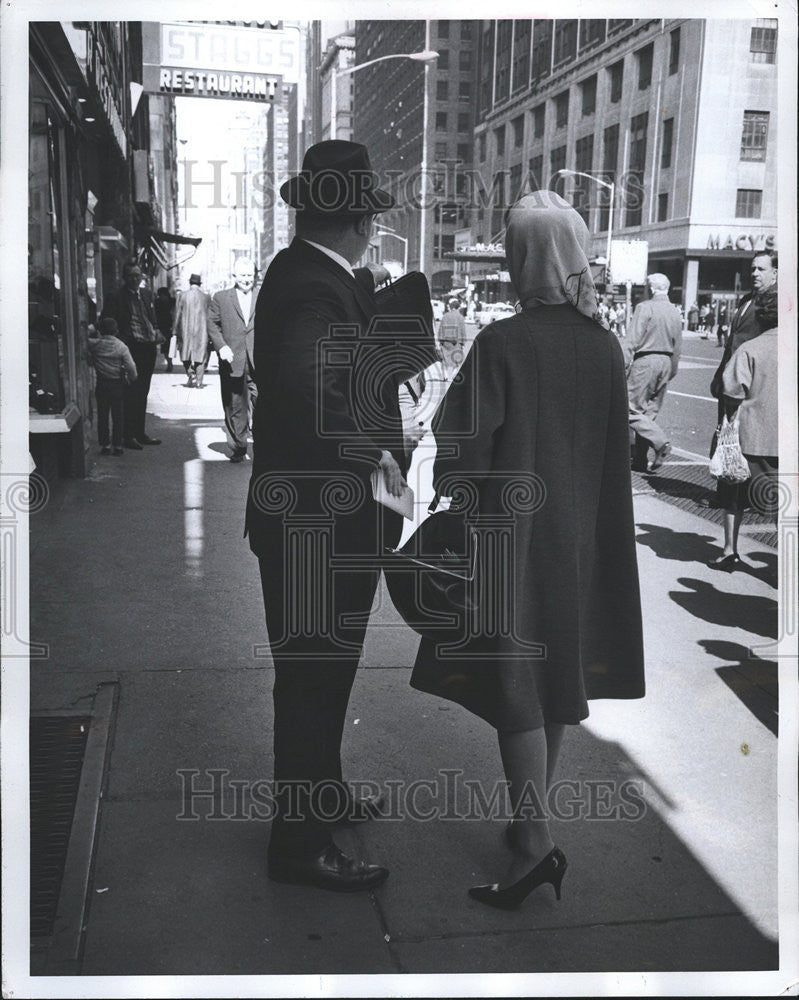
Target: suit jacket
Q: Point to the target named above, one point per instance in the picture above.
(743, 327)
(327, 402)
(117, 305)
(227, 325)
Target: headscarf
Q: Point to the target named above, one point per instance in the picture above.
(545, 246)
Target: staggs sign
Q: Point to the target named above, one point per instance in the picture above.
(213, 60)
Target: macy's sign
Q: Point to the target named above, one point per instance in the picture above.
(746, 241)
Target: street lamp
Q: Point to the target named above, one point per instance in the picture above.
(389, 232)
(426, 56)
(607, 184)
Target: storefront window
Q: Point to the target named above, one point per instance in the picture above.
(47, 353)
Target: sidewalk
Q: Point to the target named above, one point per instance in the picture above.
(140, 578)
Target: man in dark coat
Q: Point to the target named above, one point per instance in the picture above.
(326, 419)
(231, 322)
(743, 327)
(132, 308)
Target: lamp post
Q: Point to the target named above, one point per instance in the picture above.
(425, 56)
(389, 232)
(608, 184)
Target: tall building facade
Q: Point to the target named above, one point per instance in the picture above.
(389, 112)
(680, 115)
(280, 161)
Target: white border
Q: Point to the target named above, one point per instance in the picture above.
(14, 18)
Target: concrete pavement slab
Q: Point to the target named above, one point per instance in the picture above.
(192, 898)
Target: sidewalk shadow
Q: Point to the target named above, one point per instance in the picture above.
(679, 489)
(684, 546)
(752, 679)
(766, 573)
(719, 607)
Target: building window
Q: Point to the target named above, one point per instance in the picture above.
(481, 145)
(466, 31)
(443, 59)
(443, 29)
(465, 59)
(499, 136)
(763, 40)
(748, 203)
(616, 79)
(539, 120)
(588, 88)
(518, 131)
(610, 156)
(535, 176)
(441, 150)
(442, 90)
(592, 32)
(634, 186)
(441, 121)
(562, 109)
(445, 243)
(464, 91)
(565, 41)
(663, 207)
(644, 57)
(515, 183)
(618, 24)
(557, 161)
(521, 55)
(542, 49)
(755, 135)
(668, 137)
(674, 51)
(583, 161)
(463, 151)
(463, 122)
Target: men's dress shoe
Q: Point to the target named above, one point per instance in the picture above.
(133, 445)
(119, 451)
(661, 454)
(361, 810)
(639, 468)
(330, 869)
(149, 440)
(105, 450)
(238, 456)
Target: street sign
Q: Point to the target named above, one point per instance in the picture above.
(628, 261)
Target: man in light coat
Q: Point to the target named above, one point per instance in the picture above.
(231, 324)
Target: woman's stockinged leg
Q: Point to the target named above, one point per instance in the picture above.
(525, 761)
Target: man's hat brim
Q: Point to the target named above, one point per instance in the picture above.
(330, 192)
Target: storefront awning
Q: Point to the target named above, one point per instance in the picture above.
(194, 241)
(157, 251)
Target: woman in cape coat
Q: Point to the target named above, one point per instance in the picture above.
(536, 427)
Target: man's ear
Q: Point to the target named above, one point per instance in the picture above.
(363, 225)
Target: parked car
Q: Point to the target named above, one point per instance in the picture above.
(492, 311)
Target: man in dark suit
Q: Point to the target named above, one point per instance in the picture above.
(327, 417)
(743, 327)
(231, 321)
(132, 308)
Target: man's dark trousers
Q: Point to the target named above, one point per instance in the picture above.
(239, 395)
(110, 400)
(144, 356)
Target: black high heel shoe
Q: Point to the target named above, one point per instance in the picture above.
(551, 869)
(726, 563)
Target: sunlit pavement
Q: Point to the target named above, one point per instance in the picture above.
(140, 576)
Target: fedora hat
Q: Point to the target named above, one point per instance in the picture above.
(336, 179)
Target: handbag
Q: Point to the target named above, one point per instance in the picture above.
(728, 463)
(432, 579)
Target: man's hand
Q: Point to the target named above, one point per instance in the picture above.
(226, 354)
(414, 435)
(379, 273)
(392, 475)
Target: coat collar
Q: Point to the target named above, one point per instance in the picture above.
(307, 252)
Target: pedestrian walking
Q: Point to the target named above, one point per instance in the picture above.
(231, 324)
(704, 320)
(164, 317)
(750, 389)
(693, 317)
(191, 331)
(114, 368)
(317, 440)
(132, 308)
(653, 350)
(542, 394)
(452, 337)
(744, 325)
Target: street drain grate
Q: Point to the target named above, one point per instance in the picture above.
(57, 747)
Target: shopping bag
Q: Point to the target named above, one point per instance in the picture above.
(728, 463)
